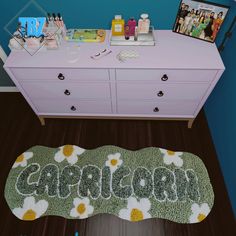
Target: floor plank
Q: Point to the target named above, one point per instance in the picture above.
(20, 129)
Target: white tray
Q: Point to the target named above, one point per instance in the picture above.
(143, 40)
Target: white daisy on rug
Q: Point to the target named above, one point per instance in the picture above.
(172, 157)
(114, 161)
(68, 152)
(31, 210)
(82, 208)
(136, 210)
(199, 212)
(22, 159)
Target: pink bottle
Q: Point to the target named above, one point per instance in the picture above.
(131, 23)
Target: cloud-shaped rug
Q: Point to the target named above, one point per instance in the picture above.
(75, 183)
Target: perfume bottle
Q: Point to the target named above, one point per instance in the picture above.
(143, 24)
(131, 23)
(118, 25)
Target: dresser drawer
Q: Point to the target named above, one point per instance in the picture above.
(161, 91)
(45, 106)
(158, 108)
(30, 74)
(165, 76)
(67, 90)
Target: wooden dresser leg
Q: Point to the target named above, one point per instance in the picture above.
(190, 123)
(42, 120)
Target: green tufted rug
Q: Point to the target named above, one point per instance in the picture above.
(134, 185)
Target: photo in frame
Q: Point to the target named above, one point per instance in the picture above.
(200, 19)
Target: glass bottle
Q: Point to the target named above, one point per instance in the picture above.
(143, 24)
(118, 25)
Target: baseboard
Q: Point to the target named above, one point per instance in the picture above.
(8, 89)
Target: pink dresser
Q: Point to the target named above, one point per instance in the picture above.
(171, 80)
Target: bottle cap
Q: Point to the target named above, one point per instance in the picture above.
(144, 16)
(118, 17)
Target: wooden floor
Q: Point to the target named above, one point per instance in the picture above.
(20, 130)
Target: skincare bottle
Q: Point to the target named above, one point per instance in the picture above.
(127, 32)
(131, 23)
(61, 25)
(143, 24)
(118, 25)
(50, 21)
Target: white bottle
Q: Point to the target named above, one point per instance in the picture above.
(143, 24)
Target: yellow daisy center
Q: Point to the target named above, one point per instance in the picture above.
(136, 215)
(114, 162)
(68, 150)
(201, 217)
(81, 208)
(29, 215)
(20, 158)
(170, 153)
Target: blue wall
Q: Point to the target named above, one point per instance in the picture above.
(81, 14)
(221, 114)
(220, 108)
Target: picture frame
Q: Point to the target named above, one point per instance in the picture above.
(200, 19)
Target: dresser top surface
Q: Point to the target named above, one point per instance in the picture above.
(172, 50)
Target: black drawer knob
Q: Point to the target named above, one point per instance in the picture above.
(160, 94)
(156, 109)
(67, 92)
(164, 77)
(73, 108)
(61, 76)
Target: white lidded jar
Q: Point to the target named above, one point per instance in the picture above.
(143, 24)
